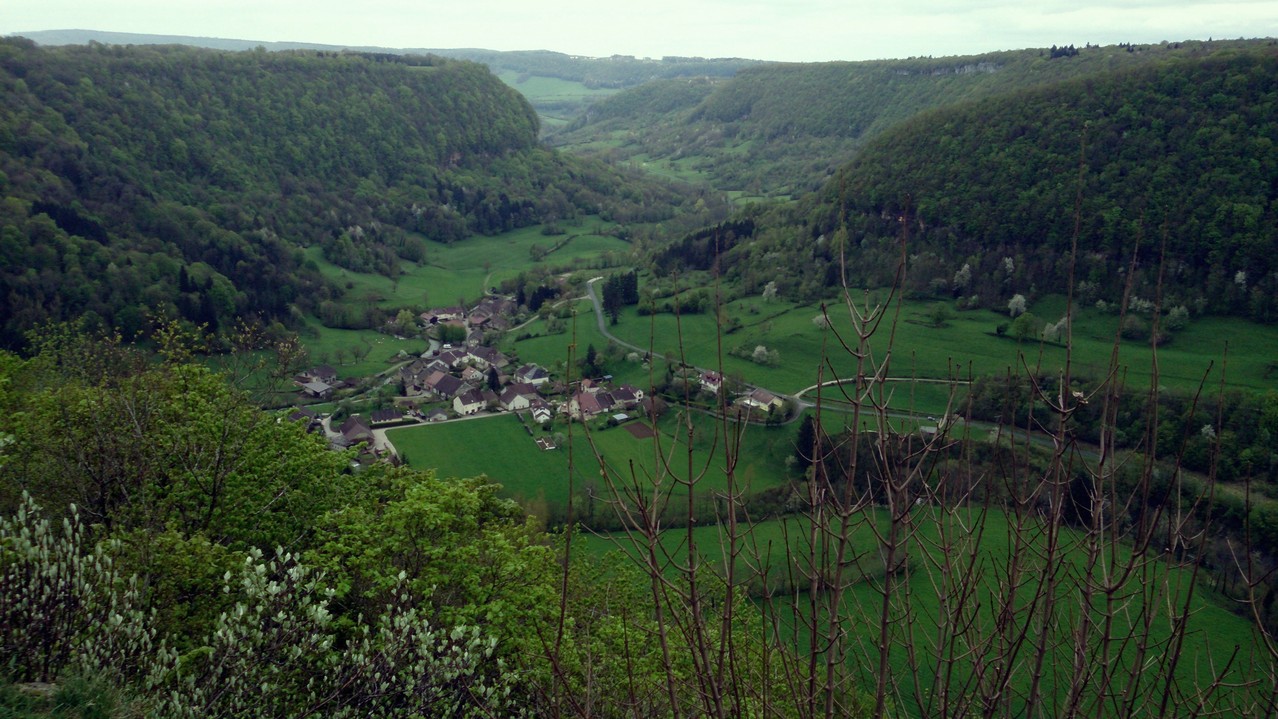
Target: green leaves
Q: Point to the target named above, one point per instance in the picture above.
(468, 556)
(170, 446)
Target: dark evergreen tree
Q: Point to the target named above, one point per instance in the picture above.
(805, 443)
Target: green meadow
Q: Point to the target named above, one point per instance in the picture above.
(779, 544)
(452, 274)
(966, 346)
(551, 350)
(500, 448)
(683, 169)
(375, 352)
(557, 101)
(464, 270)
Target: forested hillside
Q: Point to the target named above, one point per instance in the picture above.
(1176, 157)
(558, 85)
(137, 177)
(785, 128)
(616, 71)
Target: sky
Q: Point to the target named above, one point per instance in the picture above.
(784, 30)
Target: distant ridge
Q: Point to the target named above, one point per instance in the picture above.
(83, 37)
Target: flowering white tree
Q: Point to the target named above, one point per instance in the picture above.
(1016, 305)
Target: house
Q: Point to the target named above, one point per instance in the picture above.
(711, 382)
(386, 416)
(308, 418)
(443, 314)
(468, 402)
(317, 389)
(473, 376)
(761, 399)
(626, 396)
(541, 411)
(436, 415)
(453, 358)
(585, 405)
(518, 396)
(414, 376)
(445, 385)
(436, 366)
(532, 374)
(485, 357)
(355, 430)
(322, 373)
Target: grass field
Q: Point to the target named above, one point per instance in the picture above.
(683, 169)
(967, 346)
(1214, 631)
(500, 448)
(551, 350)
(452, 274)
(325, 344)
(556, 100)
(463, 271)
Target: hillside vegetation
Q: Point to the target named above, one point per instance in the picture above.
(785, 128)
(136, 177)
(558, 85)
(1177, 172)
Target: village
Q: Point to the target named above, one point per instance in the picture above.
(470, 379)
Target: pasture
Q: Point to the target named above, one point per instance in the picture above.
(462, 271)
(357, 353)
(452, 274)
(965, 346)
(500, 448)
(557, 101)
(551, 350)
(782, 545)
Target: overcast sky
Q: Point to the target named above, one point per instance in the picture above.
(795, 30)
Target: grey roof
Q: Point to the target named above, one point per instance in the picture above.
(386, 415)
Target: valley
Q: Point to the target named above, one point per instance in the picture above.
(913, 387)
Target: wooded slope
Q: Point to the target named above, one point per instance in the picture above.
(1176, 157)
(786, 128)
(133, 175)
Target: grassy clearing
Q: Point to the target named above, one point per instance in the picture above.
(776, 543)
(463, 271)
(378, 352)
(684, 169)
(556, 99)
(535, 477)
(965, 346)
(551, 350)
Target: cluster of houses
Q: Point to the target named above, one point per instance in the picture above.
(474, 379)
(493, 313)
(467, 378)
